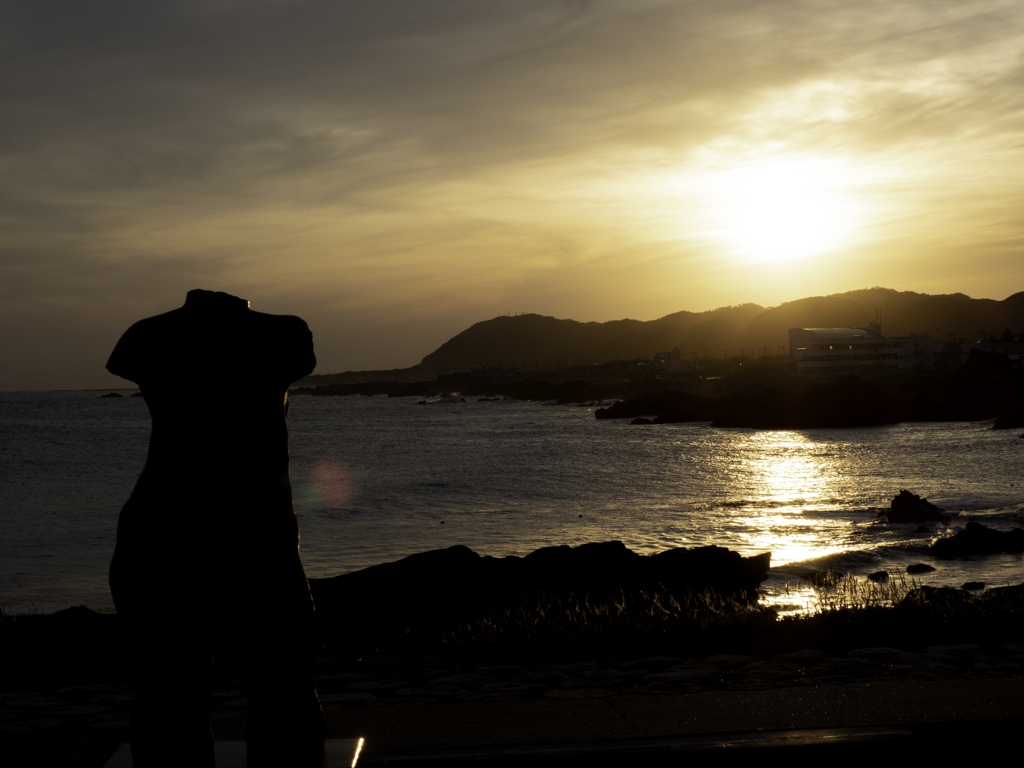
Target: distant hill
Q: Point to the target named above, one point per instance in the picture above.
(537, 341)
(902, 313)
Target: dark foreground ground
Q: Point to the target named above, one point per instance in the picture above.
(865, 682)
(798, 705)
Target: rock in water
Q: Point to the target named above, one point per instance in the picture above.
(978, 539)
(908, 507)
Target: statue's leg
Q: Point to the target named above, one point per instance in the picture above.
(170, 723)
(285, 722)
(171, 662)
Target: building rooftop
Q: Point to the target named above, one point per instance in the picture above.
(840, 333)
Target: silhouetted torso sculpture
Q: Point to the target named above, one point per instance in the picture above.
(207, 544)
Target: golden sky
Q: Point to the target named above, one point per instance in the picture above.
(396, 171)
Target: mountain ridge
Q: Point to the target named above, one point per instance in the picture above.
(533, 341)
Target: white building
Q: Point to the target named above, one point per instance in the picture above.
(865, 351)
(838, 351)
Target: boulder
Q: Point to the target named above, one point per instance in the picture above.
(908, 507)
(978, 539)
(454, 584)
(919, 568)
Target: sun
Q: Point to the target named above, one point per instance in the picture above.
(783, 209)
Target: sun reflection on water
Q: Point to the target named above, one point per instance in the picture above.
(789, 480)
(793, 599)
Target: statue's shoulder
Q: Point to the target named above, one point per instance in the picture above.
(292, 342)
(141, 345)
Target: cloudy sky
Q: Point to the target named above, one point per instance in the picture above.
(396, 171)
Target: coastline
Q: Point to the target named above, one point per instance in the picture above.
(762, 396)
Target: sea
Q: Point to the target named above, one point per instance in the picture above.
(376, 479)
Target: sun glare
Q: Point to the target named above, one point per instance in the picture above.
(783, 209)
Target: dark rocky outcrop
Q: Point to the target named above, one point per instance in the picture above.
(670, 406)
(848, 401)
(978, 539)
(907, 507)
(455, 584)
(763, 402)
(919, 568)
(758, 406)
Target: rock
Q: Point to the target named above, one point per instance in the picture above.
(641, 420)
(711, 568)
(978, 539)
(908, 507)
(111, 394)
(973, 586)
(919, 568)
(451, 586)
(878, 576)
(669, 405)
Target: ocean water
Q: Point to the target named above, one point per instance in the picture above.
(376, 479)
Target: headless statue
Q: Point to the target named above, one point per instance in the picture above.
(207, 543)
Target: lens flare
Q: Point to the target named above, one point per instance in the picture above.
(332, 484)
